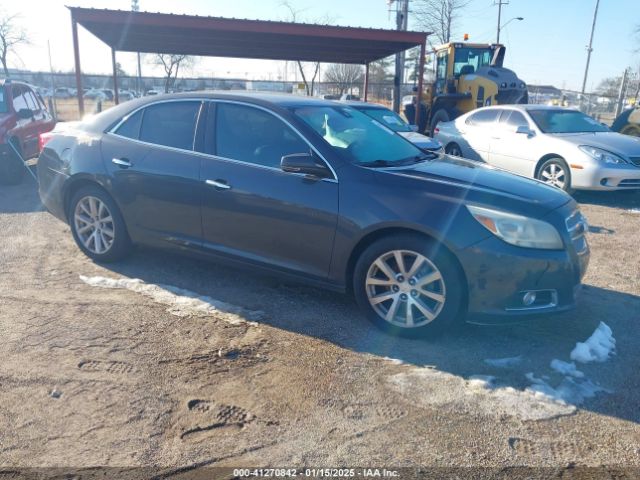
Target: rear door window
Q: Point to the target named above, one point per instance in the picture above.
(19, 100)
(483, 118)
(514, 119)
(171, 124)
(130, 128)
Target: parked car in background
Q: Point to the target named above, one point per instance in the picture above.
(64, 92)
(108, 93)
(95, 94)
(628, 122)
(153, 91)
(559, 146)
(23, 117)
(125, 95)
(317, 191)
(396, 123)
(349, 97)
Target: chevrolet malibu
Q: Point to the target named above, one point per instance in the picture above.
(321, 193)
(559, 146)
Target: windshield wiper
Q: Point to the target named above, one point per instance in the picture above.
(378, 163)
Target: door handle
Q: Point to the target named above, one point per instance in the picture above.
(121, 162)
(219, 184)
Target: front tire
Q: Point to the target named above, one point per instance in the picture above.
(97, 225)
(409, 286)
(633, 130)
(555, 172)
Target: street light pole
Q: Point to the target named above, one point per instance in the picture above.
(589, 50)
(136, 7)
(500, 3)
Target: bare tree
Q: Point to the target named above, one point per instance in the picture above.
(11, 35)
(304, 67)
(439, 16)
(345, 76)
(171, 64)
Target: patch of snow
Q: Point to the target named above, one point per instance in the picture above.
(434, 388)
(566, 368)
(634, 210)
(395, 361)
(180, 302)
(504, 362)
(597, 348)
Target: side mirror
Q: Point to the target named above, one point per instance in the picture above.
(25, 113)
(414, 128)
(305, 163)
(525, 130)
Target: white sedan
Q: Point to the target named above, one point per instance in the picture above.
(556, 145)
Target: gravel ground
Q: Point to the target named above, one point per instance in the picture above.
(118, 377)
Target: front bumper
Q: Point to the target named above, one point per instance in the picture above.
(598, 177)
(499, 275)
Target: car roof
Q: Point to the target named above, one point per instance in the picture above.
(104, 120)
(524, 107)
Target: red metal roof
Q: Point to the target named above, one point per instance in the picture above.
(228, 37)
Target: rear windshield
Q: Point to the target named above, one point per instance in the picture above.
(565, 121)
(4, 107)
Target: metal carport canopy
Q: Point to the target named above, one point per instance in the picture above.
(130, 31)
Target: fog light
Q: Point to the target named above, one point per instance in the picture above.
(604, 181)
(529, 298)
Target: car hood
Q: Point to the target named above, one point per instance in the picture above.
(422, 141)
(613, 142)
(480, 184)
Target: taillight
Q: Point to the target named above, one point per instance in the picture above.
(43, 139)
(436, 130)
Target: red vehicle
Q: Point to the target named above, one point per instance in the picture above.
(23, 117)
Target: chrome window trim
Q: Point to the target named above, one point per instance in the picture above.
(112, 131)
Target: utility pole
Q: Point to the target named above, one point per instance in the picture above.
(136, 7)
(500, 3)
(623, 91)
(589, 50)
(52, 98)
(402, 20)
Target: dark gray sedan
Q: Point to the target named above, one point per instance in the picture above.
(321, 193)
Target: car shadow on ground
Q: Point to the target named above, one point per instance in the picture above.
(21, 198)
(335, 318)
(626, 199)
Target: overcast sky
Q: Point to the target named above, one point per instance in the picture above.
(547, 47)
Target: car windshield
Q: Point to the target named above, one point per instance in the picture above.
(359, 138)
(565, 121)
(387, 118)
(4, 107)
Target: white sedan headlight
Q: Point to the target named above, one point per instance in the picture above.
(518, 230)
(602, 155)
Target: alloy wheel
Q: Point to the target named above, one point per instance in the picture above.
(554, 174)
(405, 288)
(94, 225)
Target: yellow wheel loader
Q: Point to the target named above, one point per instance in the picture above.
(467, 76)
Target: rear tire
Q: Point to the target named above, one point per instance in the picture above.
(11, 166)
(97, 225)
(555, 172)
(426, 295)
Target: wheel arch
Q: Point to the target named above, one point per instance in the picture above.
(383, 232)
(73, 185)
(544, 158)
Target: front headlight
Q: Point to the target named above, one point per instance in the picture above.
(518, 230)
(602, 155)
